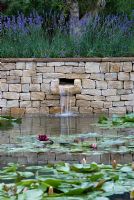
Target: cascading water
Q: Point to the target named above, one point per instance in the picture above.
(65, 101)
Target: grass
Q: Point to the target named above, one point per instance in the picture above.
(107, 38)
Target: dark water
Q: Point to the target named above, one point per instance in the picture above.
(125, 196)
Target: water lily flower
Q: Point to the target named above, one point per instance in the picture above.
(114, 164)
(83, 161)
(50, 190)
(43, 137)
(132, 194)
(94, 146)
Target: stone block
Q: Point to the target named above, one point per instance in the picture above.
(25, 104)
(86, 110)
(3, 75)
(36, 104)
(14, 87)
(93, 92)
(84, 97)
(13, 79)
(31, 65)
(54, 110)
(12, 103)
(20, 65)
(32, 110)
(81, 64)
(35, 87)
(53, 75)
(112, 98)
(3, 103)
(3, 87)
(99, 98)
(97, 104)
(99, 77)
(11, 95)
(129, 97)
(45, 69)
(45, 88)
(104, 67)
(109, 92)
(25, 88)
(44, 110)
(53, 97)
(25, 79)
(118, 104)
(55, 64)
(75, 64)
(101, 84)
(7, 66)
(37, 96)
(18, 111)
(132, 76)
(77, 76)
(41, 64)
(115, 67)
(123, 91)
(92, 67)
(83, 103)
(129, 109)
(123, 76)
(115, 84)
(37, 79)
(51, 103)
(25, 96)
(64, 69)
(110, 76)
(129, 103)
(107, 104)
(79, 70)
(87, 83)
(29, 73)
(128, 85)
(16, 73)
(117, 110)
(127, 66)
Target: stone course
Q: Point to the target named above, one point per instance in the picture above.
(100, 85)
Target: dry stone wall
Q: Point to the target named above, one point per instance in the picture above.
(100, 85)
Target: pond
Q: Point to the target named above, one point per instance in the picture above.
(74, 138)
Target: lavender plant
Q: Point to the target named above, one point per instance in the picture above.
(29, 36)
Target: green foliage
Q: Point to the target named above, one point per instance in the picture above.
(80, 182)
(120, 6)
(117, 121)
(7, 122)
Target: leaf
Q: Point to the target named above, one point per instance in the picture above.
(126, 169)
(36, 194)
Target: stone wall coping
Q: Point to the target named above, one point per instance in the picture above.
(95, 59)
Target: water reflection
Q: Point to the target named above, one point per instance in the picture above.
(51, 125)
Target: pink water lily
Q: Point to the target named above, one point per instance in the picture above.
(94, 146)
(43, 137)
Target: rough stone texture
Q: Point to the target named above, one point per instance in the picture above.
(87, 83)
(14, 87)
(100, 85)
(37, 96)
(92, 67)
(123, 76)
(115, 67)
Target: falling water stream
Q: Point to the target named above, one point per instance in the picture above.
(65, 103)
